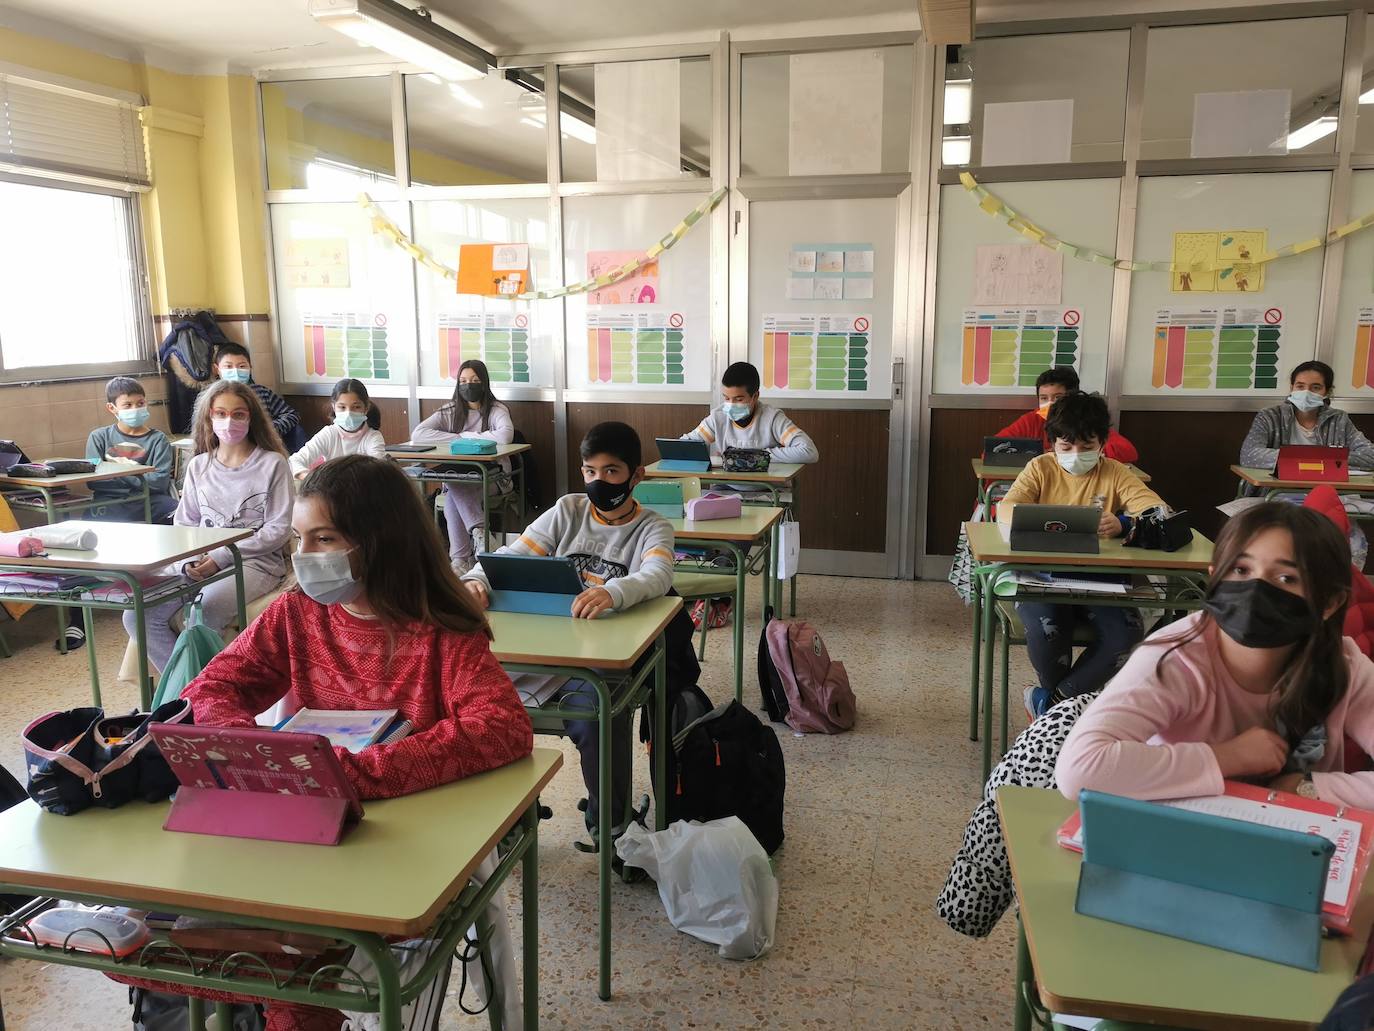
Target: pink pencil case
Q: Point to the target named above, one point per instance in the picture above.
(714, 506)
(18, 545)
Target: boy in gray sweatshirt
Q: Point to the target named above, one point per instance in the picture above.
(744, 421)
(624, 554)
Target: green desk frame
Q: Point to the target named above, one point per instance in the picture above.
(1270, 488)
(479, 469)
(52, 509)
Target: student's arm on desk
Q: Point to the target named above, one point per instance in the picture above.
(1361, 450)
(655, 574)
(250, 676)
(1134, 496)
(1355, 789)
(1255, 450)
(1107, 751)
(794, 446)
(483, 726)
(1025, 489)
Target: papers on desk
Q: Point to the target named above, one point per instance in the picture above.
(351, 729)
(751, 492)
(1058, 582)
(1236, 507)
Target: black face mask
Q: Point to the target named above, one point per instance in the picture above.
(473, 393)
(607, 497)
(1257, 614)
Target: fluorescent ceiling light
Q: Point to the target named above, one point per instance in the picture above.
(956, 150)
(958, 102)
(1311, 132)
(403, 34)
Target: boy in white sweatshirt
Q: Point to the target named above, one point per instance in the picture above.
(356, 430)
(744, 421)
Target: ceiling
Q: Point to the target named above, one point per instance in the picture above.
(254, 35)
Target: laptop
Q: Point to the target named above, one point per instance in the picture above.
(683, 456)
(530, 583)
(257, 783)
(1011, 452)
(1313, 462)
(1066, 528)
(1244, 887)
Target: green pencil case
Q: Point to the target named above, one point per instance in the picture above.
(472, 446)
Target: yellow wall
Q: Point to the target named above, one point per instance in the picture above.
(203, 218)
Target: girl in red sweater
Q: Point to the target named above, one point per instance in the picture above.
(379, 621)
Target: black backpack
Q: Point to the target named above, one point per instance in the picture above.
(685, 707)
(775, 701)
(729, 763)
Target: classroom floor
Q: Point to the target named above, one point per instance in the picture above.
(872, 819)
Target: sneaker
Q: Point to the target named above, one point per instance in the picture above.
(74, 638)
(1037, 700)
(720, 613)
(697, 612)
(463, 566)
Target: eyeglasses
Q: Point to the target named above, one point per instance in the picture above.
(240, 415)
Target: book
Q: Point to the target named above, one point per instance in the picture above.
(347, 728)
(1351, 830)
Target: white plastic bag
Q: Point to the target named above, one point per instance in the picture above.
(789, 549)
(714, 879)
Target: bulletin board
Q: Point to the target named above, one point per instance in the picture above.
(815, 347)
(345, 303)
(1354, 328)
(514, 338)
(1225, 343)
(626, 337)
(1028, 336)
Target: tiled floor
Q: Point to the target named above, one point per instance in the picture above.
(873, 817)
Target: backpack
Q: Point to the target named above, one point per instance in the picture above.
(196, 645)
(685, 707)
(806, 688)
(162, 1011)
(730, 764)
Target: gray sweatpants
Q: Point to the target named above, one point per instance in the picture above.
(463, 513)
(218, 604)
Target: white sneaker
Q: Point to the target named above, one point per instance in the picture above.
(479, 541)
(463, 566)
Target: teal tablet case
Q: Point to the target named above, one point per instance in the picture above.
(1237, 886)
(472, 446)
(661, 496)
(542, 586)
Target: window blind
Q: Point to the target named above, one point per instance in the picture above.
(64, 133)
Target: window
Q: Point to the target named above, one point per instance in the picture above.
(67, 244)
(479, 132)
(344, 122)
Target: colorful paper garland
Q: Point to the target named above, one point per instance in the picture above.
(385, 227)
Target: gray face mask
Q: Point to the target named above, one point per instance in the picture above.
(326, 577)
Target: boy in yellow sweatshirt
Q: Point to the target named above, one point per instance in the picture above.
(1075, 472)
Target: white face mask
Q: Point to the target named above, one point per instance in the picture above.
(349, 421)
(1078, 463)
(1305, 400)
(326, 576)
(736, 412)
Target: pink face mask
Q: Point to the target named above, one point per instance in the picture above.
(228, 431)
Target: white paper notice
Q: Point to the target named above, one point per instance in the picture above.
(835, 112)
(1028, 132)
(858, 288)
(1344, 834)
(638, 120)
(801, 289)
(858, 261)
(506, 257)
(801, 261)
(828, 288)
(1253, 122)
(1017, 274)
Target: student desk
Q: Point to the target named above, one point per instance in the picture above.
(987, 475)
(441, 467)
(126, 555)
(1271, 486)
(780, 477)
(403, 871)
(1095, 968)
(47, 486)
(602, 652)
(995, 565)
(755, 525)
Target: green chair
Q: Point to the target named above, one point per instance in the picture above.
(694, 586)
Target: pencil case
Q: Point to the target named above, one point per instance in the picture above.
(714, 506)
(472, 446)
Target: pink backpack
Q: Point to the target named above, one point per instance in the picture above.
(807, 689)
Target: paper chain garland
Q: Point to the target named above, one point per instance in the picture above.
(998, 208)
(383, 225)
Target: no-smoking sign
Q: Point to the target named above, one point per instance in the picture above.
(675, 320)
(1273, 316)
(861, 324)
(1073, 317)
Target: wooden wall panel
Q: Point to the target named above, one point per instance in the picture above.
(956, 437)
(315, 412)
(843, 497)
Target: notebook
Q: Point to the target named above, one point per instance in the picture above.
(347, 728)
(1350, 830)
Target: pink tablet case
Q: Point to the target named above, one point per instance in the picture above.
(714, 506)
(253, 783)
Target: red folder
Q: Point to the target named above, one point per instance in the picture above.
(1337, 918)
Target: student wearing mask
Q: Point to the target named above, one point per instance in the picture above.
(474, 412)
(624, 553)
(1076, 473)
(1305, 417)
(237, 478)
(1260, 685)
(234, 364)
(1050, 386)
(356, 430)
(744, 421)
(378, 621)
